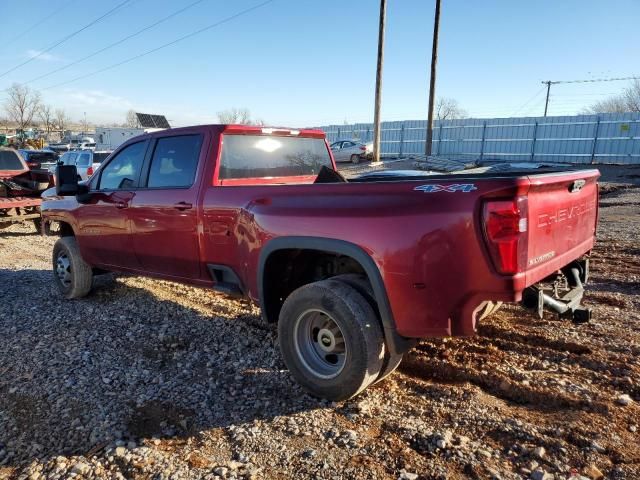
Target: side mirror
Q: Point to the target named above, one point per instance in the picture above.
(66, 180)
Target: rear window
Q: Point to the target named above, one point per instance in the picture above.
(42, 157)
(259, 156)
(69, 158)
(9, 160)
(84, 160)
(100, 157)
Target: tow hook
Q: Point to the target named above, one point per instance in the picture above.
(566, 306)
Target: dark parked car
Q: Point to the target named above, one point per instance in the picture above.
(39, 159)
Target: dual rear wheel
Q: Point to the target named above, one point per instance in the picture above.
(331, 338)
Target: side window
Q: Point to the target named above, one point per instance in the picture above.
(174, 161)
(123, 170)
(348, 144)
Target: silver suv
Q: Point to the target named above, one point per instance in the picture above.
(86, 161)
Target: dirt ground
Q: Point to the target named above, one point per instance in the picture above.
(149, 379)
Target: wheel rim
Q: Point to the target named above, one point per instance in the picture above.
(320, 344)
(63, 269)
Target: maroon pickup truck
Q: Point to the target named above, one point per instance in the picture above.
(353, 271)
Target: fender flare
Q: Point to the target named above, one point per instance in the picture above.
(395, 342)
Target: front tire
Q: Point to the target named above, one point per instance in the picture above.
(71, 274)
(331, 339)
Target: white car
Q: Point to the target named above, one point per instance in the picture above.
(351, 151)
(86, 161)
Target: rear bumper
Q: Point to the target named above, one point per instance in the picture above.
(464, 322)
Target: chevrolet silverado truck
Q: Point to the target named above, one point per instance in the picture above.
(353, 272)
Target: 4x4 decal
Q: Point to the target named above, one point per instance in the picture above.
(455, 187)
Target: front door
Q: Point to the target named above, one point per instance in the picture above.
(104, 233)
(164, 213)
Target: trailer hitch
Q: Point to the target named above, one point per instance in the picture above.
(567, 306)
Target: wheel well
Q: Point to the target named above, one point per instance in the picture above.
(61, 229)
(288, 269)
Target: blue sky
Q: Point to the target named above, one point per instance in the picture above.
(302, 63)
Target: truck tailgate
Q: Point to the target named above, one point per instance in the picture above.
(562, 216)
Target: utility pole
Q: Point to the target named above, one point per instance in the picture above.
(432, 80)
(546, 103)
(378, 101)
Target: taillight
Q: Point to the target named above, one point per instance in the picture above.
(363, 148)
(90, 171)
(505, 224)
(32, 164)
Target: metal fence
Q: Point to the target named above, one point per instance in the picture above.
(606, 138)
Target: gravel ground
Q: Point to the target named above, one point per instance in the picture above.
(150, 379)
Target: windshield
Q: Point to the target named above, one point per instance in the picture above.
(260, 156)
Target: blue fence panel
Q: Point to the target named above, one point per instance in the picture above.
(603, 138)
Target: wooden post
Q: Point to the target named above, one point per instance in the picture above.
(378, 100)
(432, 80)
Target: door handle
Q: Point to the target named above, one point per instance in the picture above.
(122, 204)
(182, 206)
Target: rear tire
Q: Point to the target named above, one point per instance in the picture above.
(355, 159)
(71, 274)
(391, 361)
(331, 339)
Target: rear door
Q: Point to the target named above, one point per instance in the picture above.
(348, 149)
(104, 230)
(164, 213)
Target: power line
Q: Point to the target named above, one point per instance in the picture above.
(173, 42)
(583, 94)
(594, 80)
(37, 24)
(73, 34)
(118, 42)
(528, 101)
(548, 83)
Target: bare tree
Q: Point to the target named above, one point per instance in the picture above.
(627, 101)
(61, 120)
(4, 124)
(131, 120)
(46, 117)
(21, 105)
(632, 96)
(448, 109)
(85, 124)
(235, 115)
